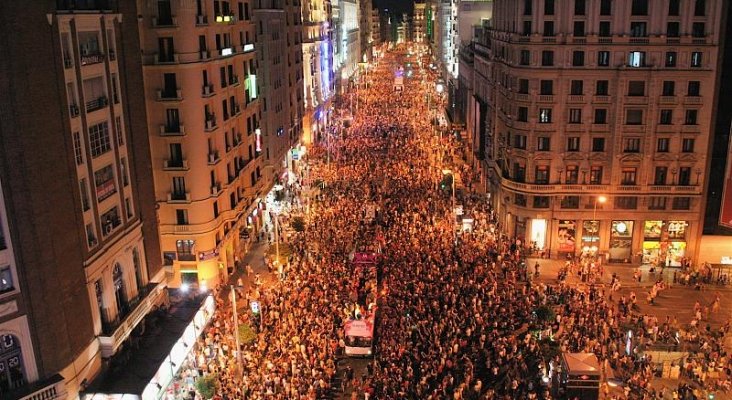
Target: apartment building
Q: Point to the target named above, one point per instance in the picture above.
(375, 27)
(364, 27)
(317, 63)
(79, 261)
(419, 22)
(203, 109)
(279, 40)
(596, 122)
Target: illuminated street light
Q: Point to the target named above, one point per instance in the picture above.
(440, 88)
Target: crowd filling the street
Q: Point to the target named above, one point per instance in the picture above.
(460, 313)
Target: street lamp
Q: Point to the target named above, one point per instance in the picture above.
(601, 200)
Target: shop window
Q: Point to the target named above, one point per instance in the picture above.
(676, 230)
(566, 236)
(184, 249)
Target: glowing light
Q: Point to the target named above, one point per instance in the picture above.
(184, 287)
(258, 136)
(440, 88)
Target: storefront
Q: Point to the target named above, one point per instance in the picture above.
(621, 241)
(538, 233)
(566, 236)
(664, 242)
(590, 236)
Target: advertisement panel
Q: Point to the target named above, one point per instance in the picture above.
(566, 236)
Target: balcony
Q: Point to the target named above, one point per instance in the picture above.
(204, 54)
(634, 128)
(175, 165)
(667, 100)
(90, 59)
(163, 58)
(210, 125)
(628, 187)
(636, 99)
(601, 99)
(692, 100)
(522, 97)
(172, 130)
(208, 91)
(201, 20)
(170, 22)
(96, 104)
(690, 129)
(178, 197)
(638, 40)
(546, 98)
(576, 98)
(216, 189)
(115, 333)
(52, 388)
(170, 95)
(213, 157)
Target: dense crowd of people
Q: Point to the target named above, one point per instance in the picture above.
(458, 316)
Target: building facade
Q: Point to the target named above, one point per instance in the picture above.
(318, 70)
(202, 94)
(364, 27)
(280, 58)
(597, 123)
(375, 27)
(77, 277)
(419, 22)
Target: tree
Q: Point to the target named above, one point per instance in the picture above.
(544, 314)
(247, 335)
(298, 224)
(207, 385)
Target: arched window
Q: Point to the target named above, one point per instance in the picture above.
(12, 372)
(119, 291)
(138, 268)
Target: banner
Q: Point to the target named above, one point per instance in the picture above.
(725, 209)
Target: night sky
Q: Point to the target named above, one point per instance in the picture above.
(399, 6)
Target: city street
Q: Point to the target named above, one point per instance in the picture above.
(455, 312)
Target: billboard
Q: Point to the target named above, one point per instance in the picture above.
(725, 209)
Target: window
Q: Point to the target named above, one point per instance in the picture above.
(84, 194)
(548, 7)
(525, 57)
(548, 28)
(6, 282)
(543, 144)
(690, 117)
(571, 202)
(118, 131)
(579, 28)
(523, 114)
(700, 8)
(603, 58)
(578, 58)
(598, 144)
(576, 87)
(626, 202)
(596, 175)
(638, 29)
(547, 58)
(670, 59)
(575, 115)
(604, 30)
(633, 117)
(673, 8)
(672, 29)
(684, 176)
(571, 176)
(669, 88)
(573, 143)
(110, 220)
(696, 59)
(659, 178)
(78, 156)
(601, 116)
(527, 28)
(687, 145)
(627, 176)
(519, 142)
(602, 88)
(694, 88)
(527, 7)
(606, 7)
(545, 115)
(681, 203)
(128, 207)
(636, 88)
(579, 7)
(639, 7)
(542, 174)
(541, 202)
(99, 139)
(666, 117)
(697, 30)
(179, 188)
(546, 87)
(181, 217)
(104, 183)
(662, 145)
(637, 59)
(519, 172)
(185, 248)
(631, 145)
(656, 203)
(523, 86)
(123, 170)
